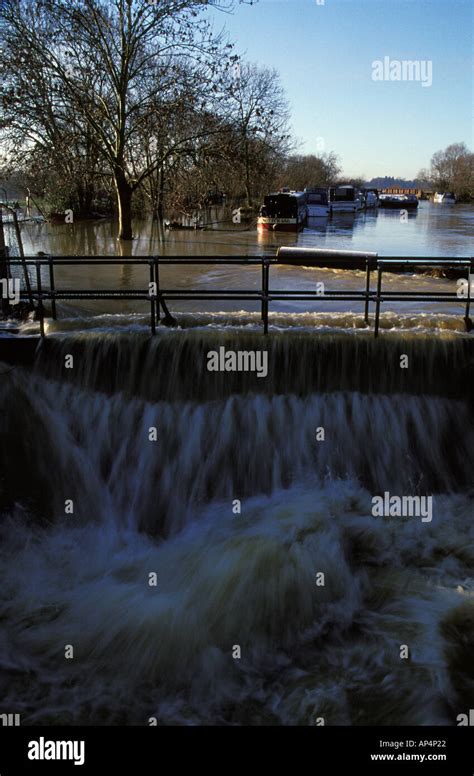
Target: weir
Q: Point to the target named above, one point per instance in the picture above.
(336, 423)
(217, 438)
(174, 365)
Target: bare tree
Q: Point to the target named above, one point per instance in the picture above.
(452, 169)
(135, 49)
(301, 172)
(53, 147)
(256, 108)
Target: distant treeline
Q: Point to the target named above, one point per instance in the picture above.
(451, 169)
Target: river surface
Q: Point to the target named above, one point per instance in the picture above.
(434, 230)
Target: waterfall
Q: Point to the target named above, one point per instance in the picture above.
(248, 490)
(173, 365)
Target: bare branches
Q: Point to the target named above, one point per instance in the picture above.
(136, 91)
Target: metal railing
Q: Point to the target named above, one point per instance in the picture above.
(158, 297)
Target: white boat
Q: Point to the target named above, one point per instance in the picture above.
(344, 199)
(446, 198)
(371, 198)
(317, 202)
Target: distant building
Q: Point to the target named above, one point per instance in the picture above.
(420, 193)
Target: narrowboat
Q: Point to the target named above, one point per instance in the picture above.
(398, 201)
(283, 211)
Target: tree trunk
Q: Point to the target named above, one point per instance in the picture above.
(124, 204)
(161, 193)
(89, 194)
(248, 194)
(158, 200)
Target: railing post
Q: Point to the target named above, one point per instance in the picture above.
(266, 285)
(52, 288)
(40, 298)
(152, 296)
(367, 292)
(378, 299)
(467, 319)
(156, 267)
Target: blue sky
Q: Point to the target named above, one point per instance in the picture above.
(324, 54)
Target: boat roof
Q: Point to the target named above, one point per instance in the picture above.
(285, 194)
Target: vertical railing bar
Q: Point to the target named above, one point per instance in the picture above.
(157, 281)
(367, 292)
(467, 319)
(152, 295)
(40, 298)
(52, 288)
(266, 287)
(378, 299)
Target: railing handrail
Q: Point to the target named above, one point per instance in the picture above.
(251, 259)
(321, 258)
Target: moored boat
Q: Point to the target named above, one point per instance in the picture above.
(371, 198)
(317, 202)
(445, 198)
(398, 201)
(284, 211)
(244, 213)
(180, 225)
(344, 199)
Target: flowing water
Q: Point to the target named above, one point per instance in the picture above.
(223, 578)
(238, 505)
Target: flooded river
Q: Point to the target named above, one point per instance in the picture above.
(434, 230)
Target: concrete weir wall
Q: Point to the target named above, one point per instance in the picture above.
(173, 366)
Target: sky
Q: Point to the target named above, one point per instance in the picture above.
(324, 51)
